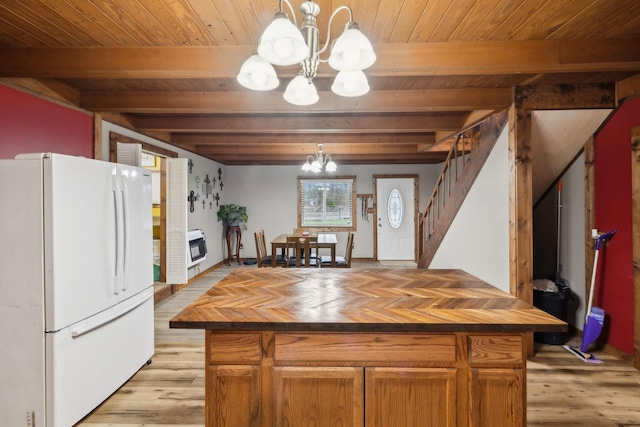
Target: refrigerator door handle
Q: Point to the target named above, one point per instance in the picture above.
(119, 245)
(135, 302)
(126, 234)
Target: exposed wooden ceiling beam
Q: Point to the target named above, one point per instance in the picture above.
(309, 138)
(372, 123)
(272, 102)
(411, 59)
(291, 159)
(560, 97)
(628, 88)
(296, 149)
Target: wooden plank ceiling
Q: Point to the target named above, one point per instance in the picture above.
(167, 69)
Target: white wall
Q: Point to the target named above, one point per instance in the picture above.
(269, 192)
(203, 217)
(572, 239)
(478, 239)
(270, 195)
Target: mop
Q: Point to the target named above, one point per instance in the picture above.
(594, 319)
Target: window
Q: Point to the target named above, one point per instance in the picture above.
(327, 203)
(395, 209)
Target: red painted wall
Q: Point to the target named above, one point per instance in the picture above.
(614, 279)
(29, 124)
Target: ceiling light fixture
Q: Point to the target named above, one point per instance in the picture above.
(282, 43)
(320, 161)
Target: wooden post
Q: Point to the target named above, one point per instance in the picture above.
(589, 211)
(521, 208)
(97, 137)
(635, 203)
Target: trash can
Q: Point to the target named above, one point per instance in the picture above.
(555, 303)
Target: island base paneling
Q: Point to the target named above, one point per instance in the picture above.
(272, 378)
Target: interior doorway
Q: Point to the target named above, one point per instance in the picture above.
(157, 155)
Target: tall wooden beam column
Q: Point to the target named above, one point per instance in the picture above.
(635, 203)
(520, 208)
(97, 137)
(589, 210)
(520, 204)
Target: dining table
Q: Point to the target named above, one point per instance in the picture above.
(325, 240)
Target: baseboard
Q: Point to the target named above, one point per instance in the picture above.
(165, 292)
(610, 350)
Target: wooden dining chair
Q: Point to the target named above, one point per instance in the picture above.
(341, 262)
(303, 247)
(312, 231)
(264, 260)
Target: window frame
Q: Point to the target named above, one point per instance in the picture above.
(326, 227)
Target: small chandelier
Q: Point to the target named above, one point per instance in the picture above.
(320, 161)
(282, 43)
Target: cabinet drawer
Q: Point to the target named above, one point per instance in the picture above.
(364, 347)
(492, 350)
(234, 348)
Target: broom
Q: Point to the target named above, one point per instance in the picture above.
(594, 318)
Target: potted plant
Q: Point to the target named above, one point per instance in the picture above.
(233, 215)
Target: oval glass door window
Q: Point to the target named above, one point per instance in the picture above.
(395, 209)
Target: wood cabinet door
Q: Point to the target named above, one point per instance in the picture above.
(497, 397)
(410, 397)
(318, 396)
(233, 396)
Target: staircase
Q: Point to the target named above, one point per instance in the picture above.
(466, 158)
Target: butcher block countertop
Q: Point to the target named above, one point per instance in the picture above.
(361, 300)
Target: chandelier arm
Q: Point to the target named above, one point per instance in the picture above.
(328, 40)
(293, 14)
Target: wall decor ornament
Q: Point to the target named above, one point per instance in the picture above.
(217, 198)
(207, 188)
(190, 166)
(192, 199)
(197, 181)
(220, 185)
(219, 174)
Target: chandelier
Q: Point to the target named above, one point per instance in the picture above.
(282, 43)
(320, 161)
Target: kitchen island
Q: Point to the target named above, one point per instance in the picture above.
(355, 347)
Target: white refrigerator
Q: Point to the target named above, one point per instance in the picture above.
(76, 285)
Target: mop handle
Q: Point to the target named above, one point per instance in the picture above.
(559, 207)
(601, 238)
(593, 281)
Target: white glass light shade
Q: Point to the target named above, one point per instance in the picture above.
(282, 43)
(258, 74)
(331, 166)
(350, 83)
(301, 91)
(306, 166)
(316, 166)
(352, 51)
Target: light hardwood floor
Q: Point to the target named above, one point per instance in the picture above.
(562, 391)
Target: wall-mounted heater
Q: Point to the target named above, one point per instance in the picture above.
(197, 248)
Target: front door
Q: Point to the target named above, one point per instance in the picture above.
(396, 211)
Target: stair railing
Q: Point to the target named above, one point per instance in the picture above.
(457, 158)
